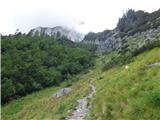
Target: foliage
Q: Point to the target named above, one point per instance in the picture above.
(114, 59)
(40, 105)
(32, 63)
(137, 21)
(128, 94)
(120, 94)
(128, 50)
(154, 98)
(89, 47)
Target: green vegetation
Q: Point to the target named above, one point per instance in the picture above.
(128, 50)
(32, 63)
(121, 94)
(89, 47)
(40, 105)
(128, 94)
(133, 22)
(155, 98)
(127, 81)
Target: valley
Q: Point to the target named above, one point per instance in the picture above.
(120, 94)
(57, 73)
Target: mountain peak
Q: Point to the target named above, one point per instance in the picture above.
(56, 31)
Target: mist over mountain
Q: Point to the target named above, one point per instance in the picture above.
(57, 31)
(57, 73)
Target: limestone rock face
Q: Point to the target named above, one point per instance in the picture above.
(106, 41)
(136, 28)
(112, 40)
(57, 31)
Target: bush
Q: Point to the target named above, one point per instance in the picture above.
(154, 98)
(32, 63)
(117, 60)
(137, 21)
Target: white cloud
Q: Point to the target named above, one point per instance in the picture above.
(96, 14)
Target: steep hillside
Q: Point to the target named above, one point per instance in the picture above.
(138, 21)
(57, 31)
(124, 84)
(134, 25)
(121, 93)
(129, 92)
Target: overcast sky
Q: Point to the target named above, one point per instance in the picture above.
(82, 15)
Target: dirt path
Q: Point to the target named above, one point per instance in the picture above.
(82, 108)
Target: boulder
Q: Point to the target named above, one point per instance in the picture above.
(61, 92)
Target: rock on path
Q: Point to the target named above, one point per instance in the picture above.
(82, 109)
(62, 92)
(154, 64)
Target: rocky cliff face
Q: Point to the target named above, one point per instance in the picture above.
(136, 28)
(57, 31)
(105, 41)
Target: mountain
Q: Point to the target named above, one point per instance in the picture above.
(132, 26)
(123, 83)
(57, 31)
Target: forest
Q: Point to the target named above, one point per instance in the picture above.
(32, 63)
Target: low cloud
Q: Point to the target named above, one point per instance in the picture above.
(82, 15)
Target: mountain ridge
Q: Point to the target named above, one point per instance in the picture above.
(132, 24)
(57, 31)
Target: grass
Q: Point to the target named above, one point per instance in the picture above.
(40, 105)
(129, 94)
(121, 94)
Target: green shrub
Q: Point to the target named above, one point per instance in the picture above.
(117, 61)
(154, 98)
(32, 63)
